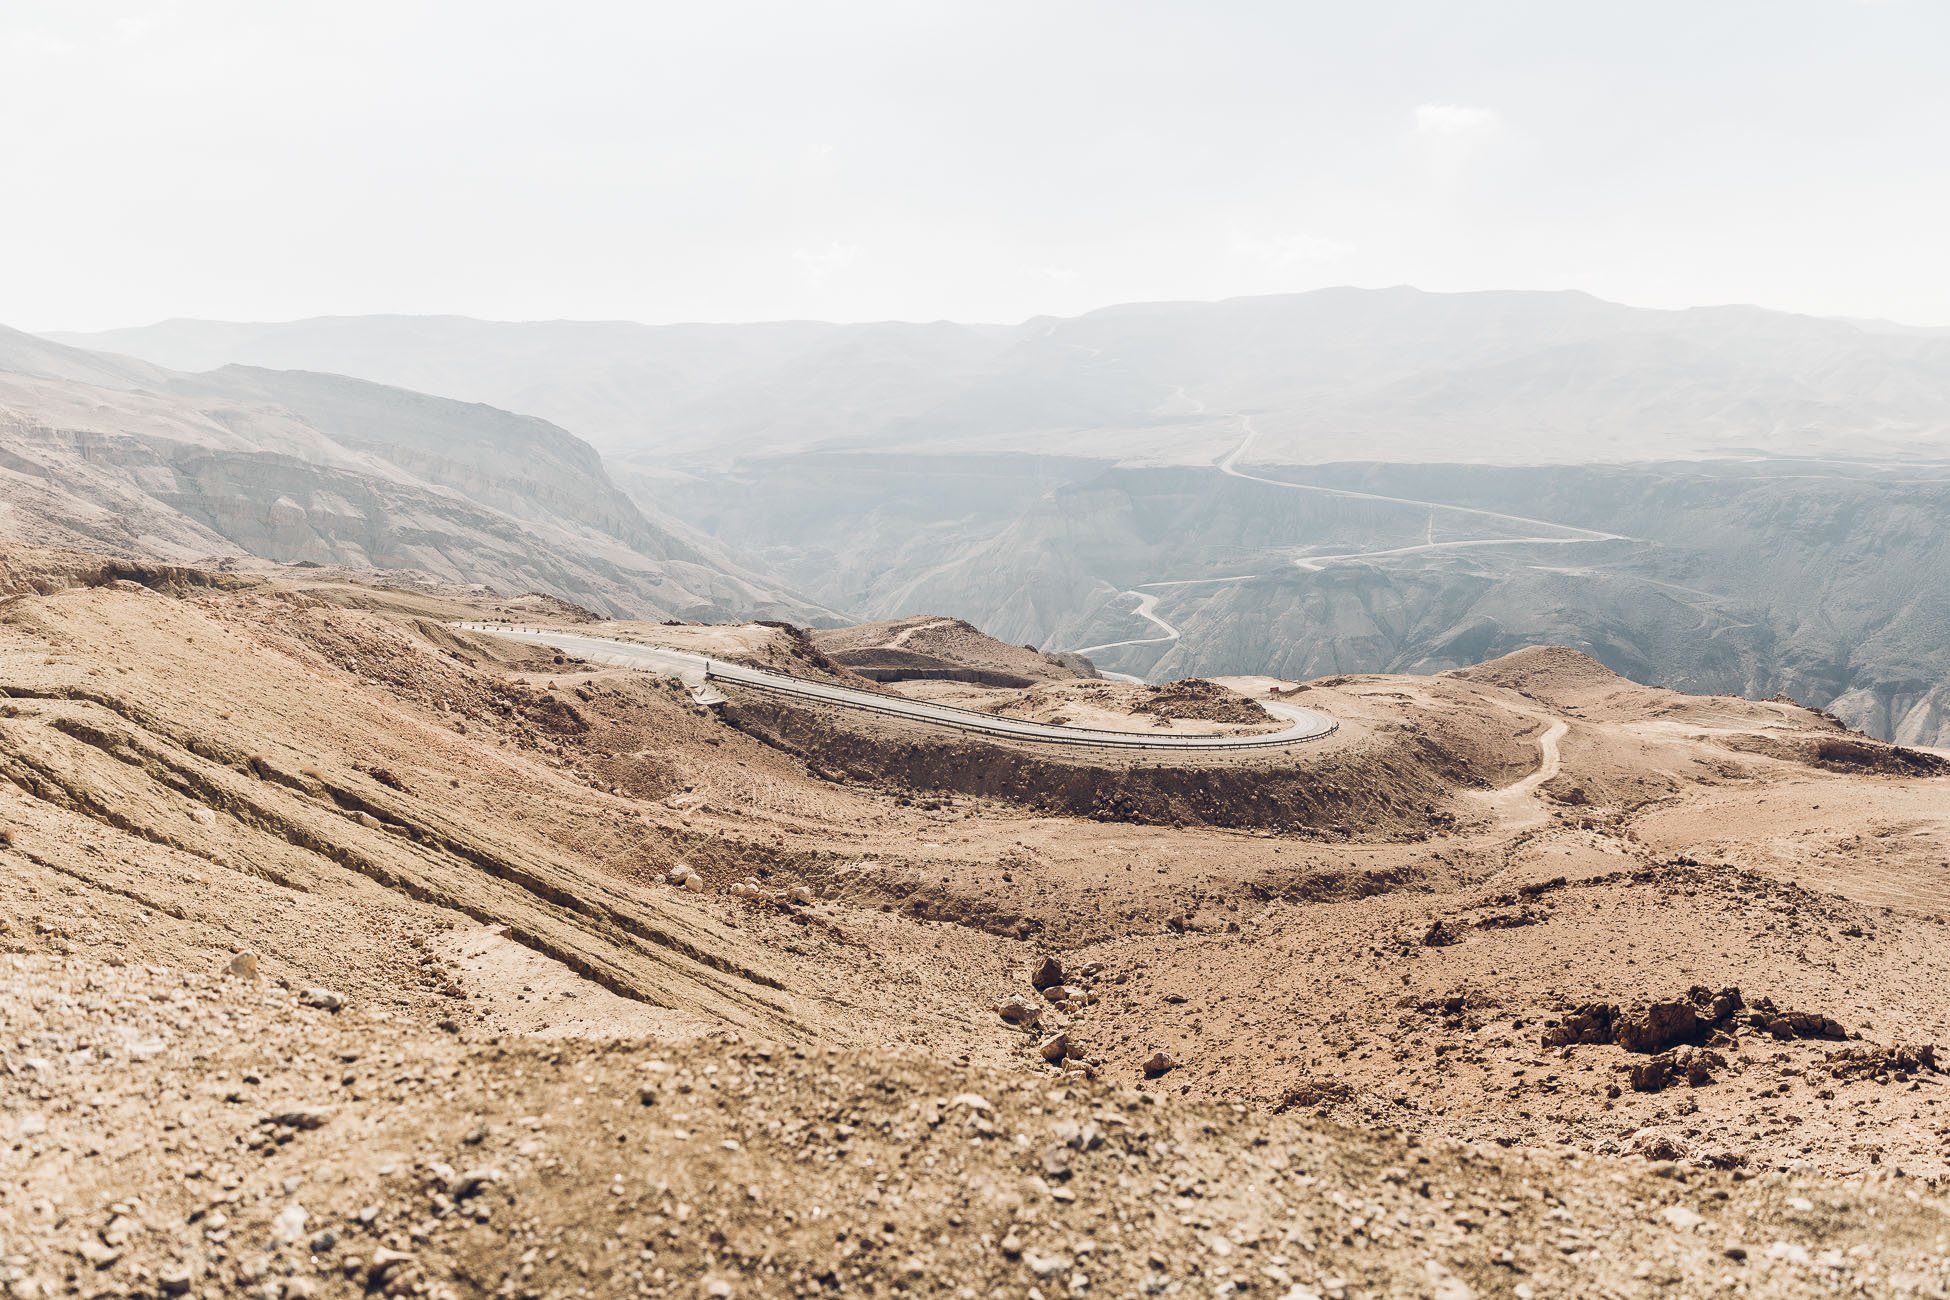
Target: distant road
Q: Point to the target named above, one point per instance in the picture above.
(699, 672)
(1227, 464)
(1147, 609)
(1147, 605)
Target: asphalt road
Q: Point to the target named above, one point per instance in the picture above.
(699, 672)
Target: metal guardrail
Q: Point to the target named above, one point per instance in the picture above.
(1081, 738)
(978, 723)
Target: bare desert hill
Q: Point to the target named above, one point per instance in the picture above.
(348, 952)
(111, 454)
(932, 648)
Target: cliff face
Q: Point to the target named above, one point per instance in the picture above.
(120, 456)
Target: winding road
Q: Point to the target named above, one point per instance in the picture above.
(1147, 604)
(699, 672)
(1147, 609)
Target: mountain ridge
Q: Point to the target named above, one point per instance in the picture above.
(1399, 371)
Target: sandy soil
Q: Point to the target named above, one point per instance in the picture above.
(1424, 1029)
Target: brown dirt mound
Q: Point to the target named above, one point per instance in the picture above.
(1402, 788)
(951, 641)
(884, 665)
(32, 570)
(1860, 754)
(1196, 699)
(1554, 674)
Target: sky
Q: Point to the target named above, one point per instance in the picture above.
(986, 160)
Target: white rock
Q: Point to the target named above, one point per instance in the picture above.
(1682, 1218)
(1045, 1265)
(1444, 1285)
(289, 1223)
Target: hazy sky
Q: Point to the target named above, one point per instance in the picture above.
(984, 160)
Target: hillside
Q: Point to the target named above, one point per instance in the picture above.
(345, 949)
(105, 453)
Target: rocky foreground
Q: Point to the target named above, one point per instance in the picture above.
(172, 1132)
(342, 953)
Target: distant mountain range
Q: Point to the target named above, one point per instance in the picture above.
(1337, 374)
(1720, 499)
(107, 453)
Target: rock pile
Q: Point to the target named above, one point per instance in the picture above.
(1695, 1020)
(1063, 995)
(1872, 1061)
(1695, 1065)
(1680, 1035)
